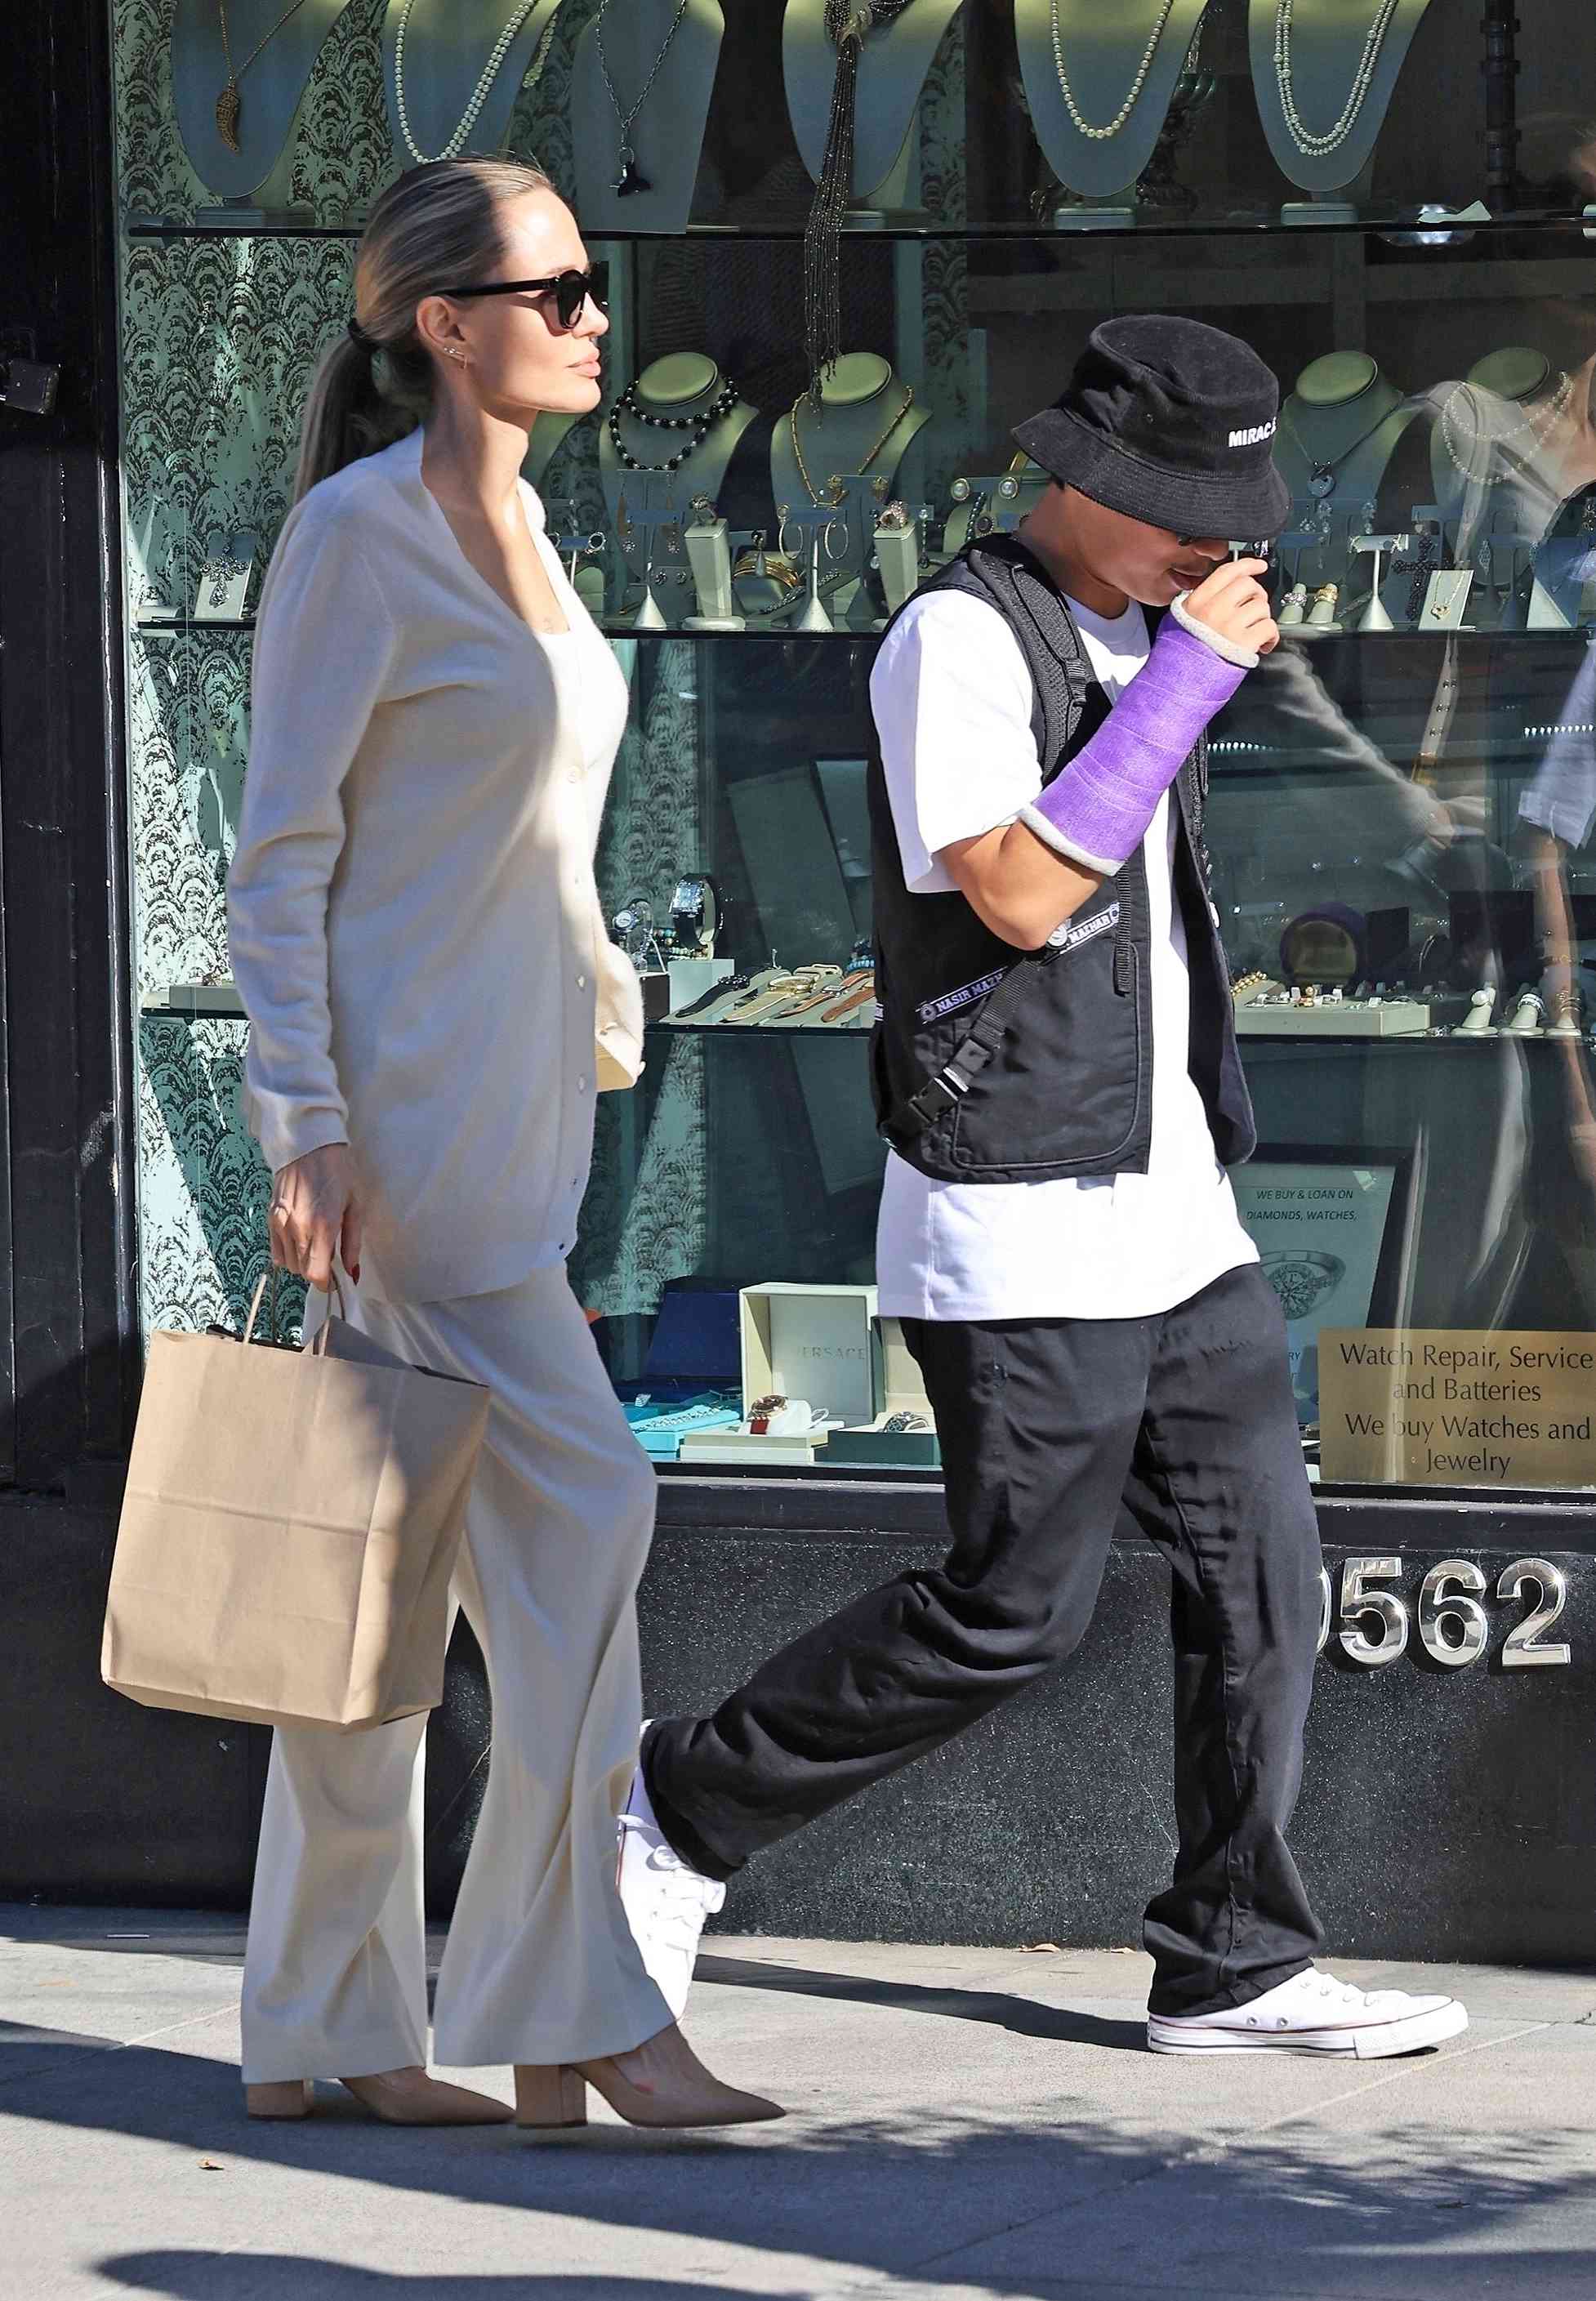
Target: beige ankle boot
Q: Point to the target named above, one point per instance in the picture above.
(661, 2082)
(406, 2096)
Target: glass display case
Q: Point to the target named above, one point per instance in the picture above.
(1401, 798)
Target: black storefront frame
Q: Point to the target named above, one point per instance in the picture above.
(104, 1802)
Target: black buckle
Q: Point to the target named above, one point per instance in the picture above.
(935, 1098)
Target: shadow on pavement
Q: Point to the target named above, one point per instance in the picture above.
(1048, 2198)
(302, 2277)
(1025, 2017)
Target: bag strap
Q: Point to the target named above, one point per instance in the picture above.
(947, 1087)
(1060, 678)
(268, 1278)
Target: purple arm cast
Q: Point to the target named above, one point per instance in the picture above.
(1097, 809)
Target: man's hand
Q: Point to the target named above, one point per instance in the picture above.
(1235, 605)
(316, 1214)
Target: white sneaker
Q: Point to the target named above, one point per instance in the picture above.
(666, 1900)
(1314, 2013)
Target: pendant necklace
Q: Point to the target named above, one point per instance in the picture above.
(834, 485)
(230, 103)
(1308, 140)
(700, 425)
(1323, 472)
(480, 93)
(631, 178)
(1084, 125)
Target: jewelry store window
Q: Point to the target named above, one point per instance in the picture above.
(1401, 799)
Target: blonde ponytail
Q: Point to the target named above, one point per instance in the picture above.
(439, 222)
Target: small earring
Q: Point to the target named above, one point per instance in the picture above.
(456, 353)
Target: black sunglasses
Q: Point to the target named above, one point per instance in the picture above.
(570, 290)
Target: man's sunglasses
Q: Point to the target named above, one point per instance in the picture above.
(570, 290)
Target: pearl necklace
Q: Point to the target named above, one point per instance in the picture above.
(479, 95)
(1535, 428)
(700, 425)
(1100, 135)
(1308, 140)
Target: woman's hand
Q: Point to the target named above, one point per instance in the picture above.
(1233, 603)
(316, 1214)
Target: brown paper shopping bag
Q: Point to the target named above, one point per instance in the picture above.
(291, 1526)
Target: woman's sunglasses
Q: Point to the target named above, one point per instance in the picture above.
(570, 290)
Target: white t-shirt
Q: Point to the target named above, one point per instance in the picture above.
(952, 696)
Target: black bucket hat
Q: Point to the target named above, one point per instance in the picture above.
(1171, 421)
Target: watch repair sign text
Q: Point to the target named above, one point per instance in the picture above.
(1439, 1406)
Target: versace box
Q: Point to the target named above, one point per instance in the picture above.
(818, 1343)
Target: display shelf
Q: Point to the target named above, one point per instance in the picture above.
(819, 1033)
(1389, 226)
(1317, 646)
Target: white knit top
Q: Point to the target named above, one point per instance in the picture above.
(414, 926)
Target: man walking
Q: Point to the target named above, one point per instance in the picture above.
(1056, 1070)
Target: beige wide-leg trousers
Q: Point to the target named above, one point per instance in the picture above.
(541, 1965)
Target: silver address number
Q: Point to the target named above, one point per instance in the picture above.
(1374, 1625)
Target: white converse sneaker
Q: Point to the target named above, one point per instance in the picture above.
(666, 1900)
(1313, 2013)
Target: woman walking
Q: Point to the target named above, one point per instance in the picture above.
(434, 1004)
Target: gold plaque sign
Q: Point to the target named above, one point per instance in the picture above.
(1441, 1406)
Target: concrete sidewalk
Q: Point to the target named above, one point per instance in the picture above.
(966, 2124)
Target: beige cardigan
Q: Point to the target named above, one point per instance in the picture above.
(414, 925)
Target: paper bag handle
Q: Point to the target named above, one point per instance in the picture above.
(268, 1278)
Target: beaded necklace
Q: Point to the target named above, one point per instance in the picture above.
(1100, 135)
(849, 24)
(479, 95)
(700, 425)
(1536, 428)
(1308, 140)
(834, 485)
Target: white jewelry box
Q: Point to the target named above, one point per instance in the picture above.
(819, 1343)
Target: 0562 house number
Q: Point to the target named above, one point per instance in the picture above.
(1374, 1624)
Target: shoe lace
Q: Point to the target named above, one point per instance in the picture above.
(1343, 1993)
(685, 1895)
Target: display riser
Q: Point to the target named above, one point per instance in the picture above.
(1444, 1813)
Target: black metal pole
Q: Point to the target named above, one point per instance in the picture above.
(1500, 25)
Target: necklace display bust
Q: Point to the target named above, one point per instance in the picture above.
(1103, 50)
(677, 390)
(894, 64)
(667, 130)
(1511, 444)
(854, 431)
(436, 54)
(1340, 427)
(1324, 72)
(270, 88)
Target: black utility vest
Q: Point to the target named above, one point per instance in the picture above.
(986, 1068)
